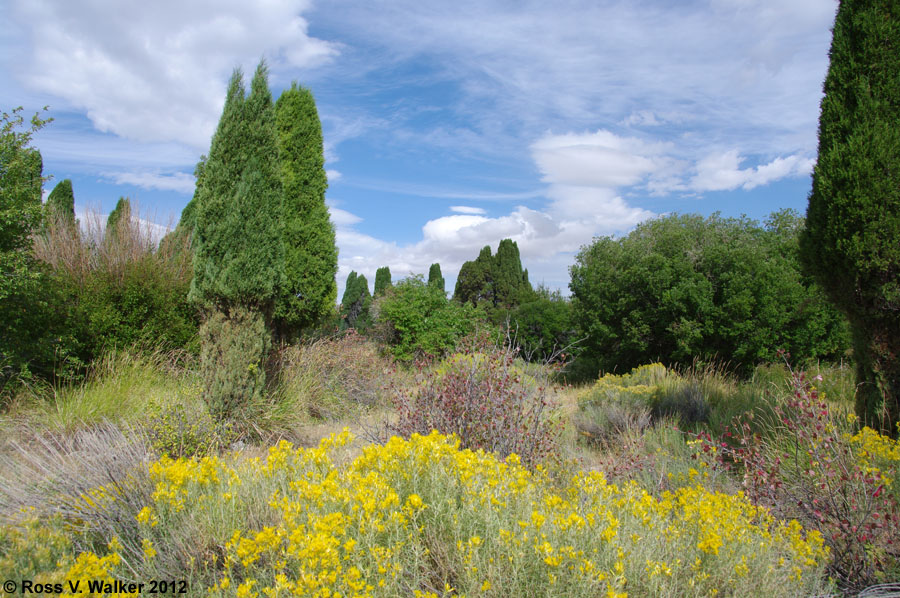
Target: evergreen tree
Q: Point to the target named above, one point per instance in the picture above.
(118, 219)
(475, 280)
(61, 203)
(355, 302)
(382, 280)
(496, 280)
(435, 278)
(309, 239)
(851, 243)
(238, 246)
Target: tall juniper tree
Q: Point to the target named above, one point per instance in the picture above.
(435, 278)
(382, 281)
(60, 206)
(310, 253)
(851, 243)
(238, 246)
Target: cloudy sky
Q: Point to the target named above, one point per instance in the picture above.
(448, 126)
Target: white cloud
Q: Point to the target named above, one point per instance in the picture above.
(179, 181)
(722, 172)
(156, 71)
(342, 218)
(333, 175)
(466, 210)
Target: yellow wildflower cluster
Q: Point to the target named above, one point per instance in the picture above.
(412, 516)
(879, 454)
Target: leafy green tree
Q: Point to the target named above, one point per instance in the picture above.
(309, 238)
(543, 325)
(356, 302)
(24, 307)
(238, 242)
(851, 243)
(418, 319)
(435, 278)
(61, 203)
(685, 288)
(497, 281)
(382, 281)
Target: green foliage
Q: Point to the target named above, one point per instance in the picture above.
(685, 288)
(24, 295)
(435, 278)
(416, 318)
(233, 351)
(238, 242)
(310, 253)
(498, 281)
(61, 202)
(543, 326)
(382, 281)
(355, 303)
(851, 243)
(119, 219)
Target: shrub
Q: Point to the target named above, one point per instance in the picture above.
(417, 319)
(234, 349)
(487, 401)
(423, 517)
(811, 468)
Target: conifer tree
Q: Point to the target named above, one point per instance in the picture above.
(382, 280)
(119, 219)
(851, 243)
(309, 239)
(238, 246)
(355, 302)
(435, 278)
(61, 203)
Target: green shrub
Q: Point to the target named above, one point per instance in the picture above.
(234, 348)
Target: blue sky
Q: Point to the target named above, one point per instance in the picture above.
(448, 126)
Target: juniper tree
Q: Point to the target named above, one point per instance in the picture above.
(61, 203)
(355, 302)
(310, 253)
(435, 278)
(238, 244)
(851, 243)
(382, 281)
(119, 219)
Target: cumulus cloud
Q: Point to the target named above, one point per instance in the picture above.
(333, 175)
(164, 79)
(722, 171)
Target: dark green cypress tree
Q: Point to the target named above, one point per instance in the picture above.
(61, 203)
(309, 239)
(355, 302)
(382, 281)
(435, 278)
(851, 243)
(118, 219)
(510, 281)
(475, 280)
(238, 247)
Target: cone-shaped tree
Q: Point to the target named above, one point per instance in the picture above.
(119, 218)
(382, 281)
(309, 243)
(510, 280)
(61, 203)
(475, 280)
(435, 278)
(355, 302)
(238, 247)
(851, 243)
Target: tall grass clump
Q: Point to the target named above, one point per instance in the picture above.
(424, 517)
(331, 378)
(485, 398)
